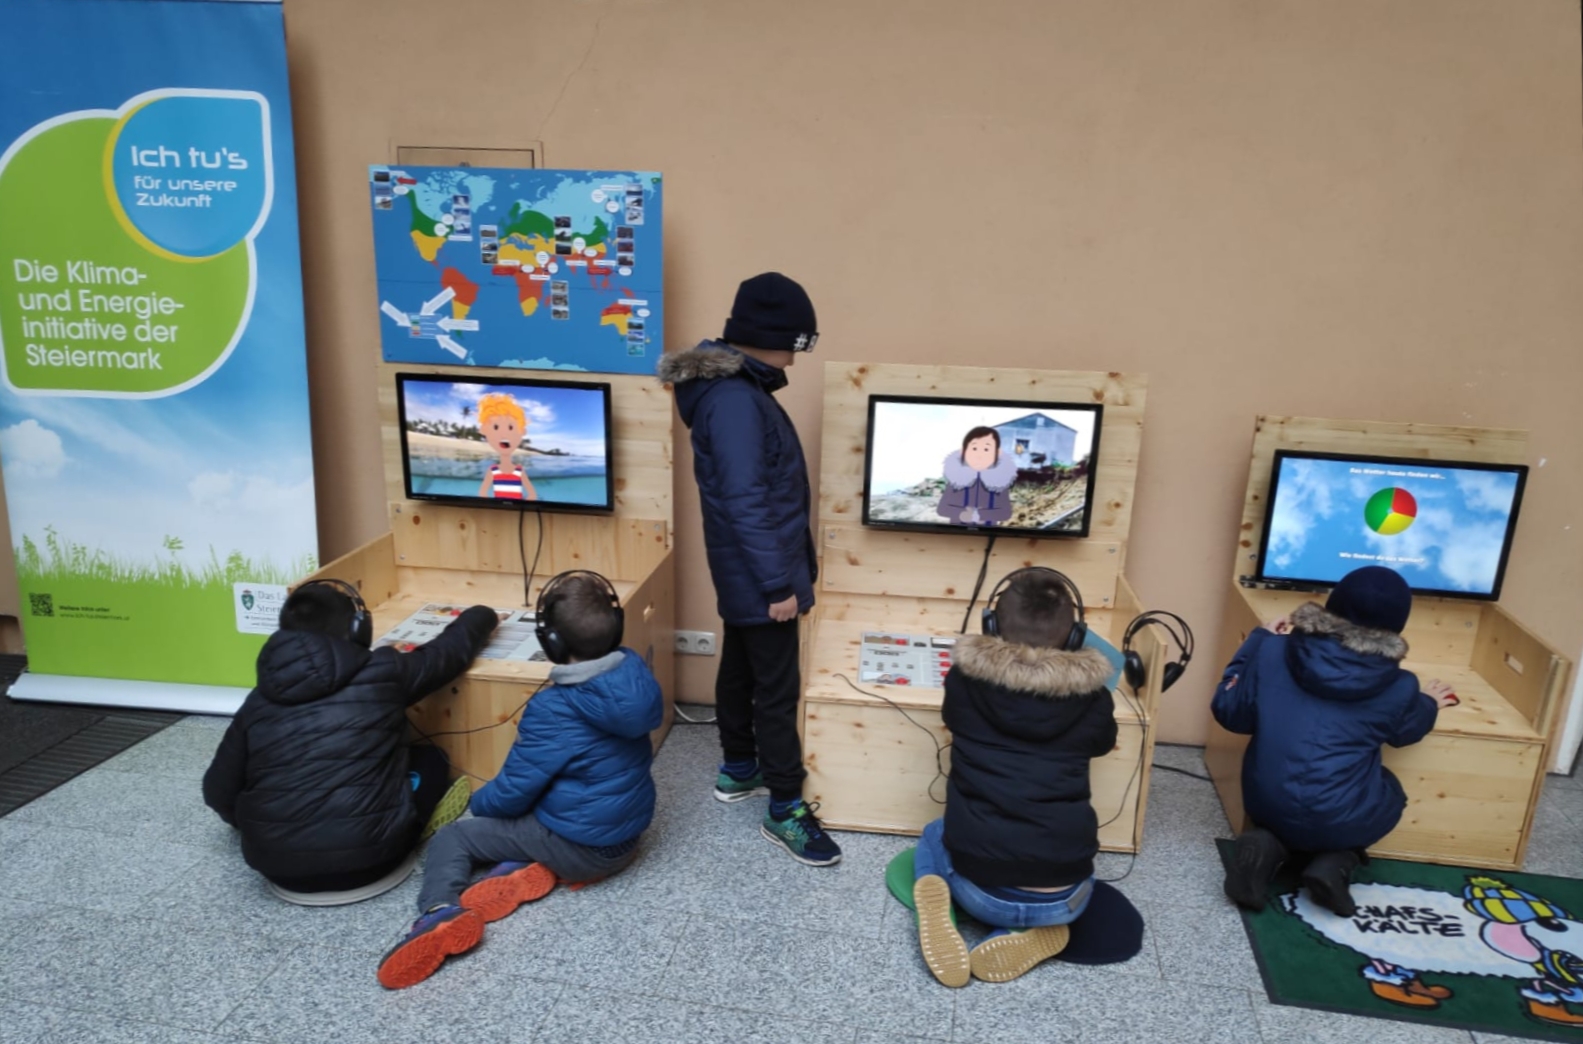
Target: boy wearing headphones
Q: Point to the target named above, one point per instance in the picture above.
(314, 769)
(1028, 706)
(572, 798)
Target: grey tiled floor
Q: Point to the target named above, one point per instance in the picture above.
(126, 916)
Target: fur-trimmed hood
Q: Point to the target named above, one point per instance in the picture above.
(1337, 660)
(996, 477)
(709, 360)
(1313, 618)
(1049, 673)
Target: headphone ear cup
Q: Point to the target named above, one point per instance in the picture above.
(1076, 637)
(989, 623)
(1133, 669)
(363, 629)
(621, 629)
(1172, 672)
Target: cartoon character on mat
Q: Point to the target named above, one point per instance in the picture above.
(978, 480)
(503, 424)
(1491, 929)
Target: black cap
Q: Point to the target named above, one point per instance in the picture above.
(774, 313)
(1373, 597)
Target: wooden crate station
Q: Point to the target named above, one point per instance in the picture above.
(444, 553)
(1473, 783)
(869, 766)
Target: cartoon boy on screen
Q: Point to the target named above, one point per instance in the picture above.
(978, 481)
(502, 424)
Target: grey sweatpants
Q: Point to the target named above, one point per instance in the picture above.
(457, 848)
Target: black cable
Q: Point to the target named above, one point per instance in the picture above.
(978, 585)
(939, 750)
(527, 574)
(1182, 772)
(464, 732)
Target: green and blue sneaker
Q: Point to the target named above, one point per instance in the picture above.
(728, 788)
(799, 832)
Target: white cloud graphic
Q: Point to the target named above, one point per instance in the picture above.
(1304, 497)
(31, 450)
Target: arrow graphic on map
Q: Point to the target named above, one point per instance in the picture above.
(437, 301)
(451, 346)
(395, 313)
(449, 324)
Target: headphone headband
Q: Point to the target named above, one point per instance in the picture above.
(550, 639)
(990, 623)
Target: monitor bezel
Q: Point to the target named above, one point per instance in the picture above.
(1520, 470)
(557, 507)
(1095, 408)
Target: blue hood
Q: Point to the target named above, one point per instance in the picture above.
(695, 372)
(1335, 659)
(616, 693)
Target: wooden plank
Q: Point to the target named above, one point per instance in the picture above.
(370, 568)
(642, 431)
(1223, 750)
(650, 630)
(1440, 630)
(858, 560)
(488, 540)
(1521, 667)
(873, 770)
(1373, 438)
(845, 429)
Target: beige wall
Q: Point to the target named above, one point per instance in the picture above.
(1356, 208)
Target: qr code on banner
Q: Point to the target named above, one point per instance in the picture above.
(41, 604)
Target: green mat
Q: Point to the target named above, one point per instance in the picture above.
(1447, 946)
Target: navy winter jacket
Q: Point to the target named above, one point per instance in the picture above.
(582, 756)
(752, 480)
(1318, 704)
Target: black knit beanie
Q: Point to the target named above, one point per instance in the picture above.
(774, 313)
(1373, 597)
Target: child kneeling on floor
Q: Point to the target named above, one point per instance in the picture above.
(315, 771)
(572, 798)
(1319, 693)
(1028, 707)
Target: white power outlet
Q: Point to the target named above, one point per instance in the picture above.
(695, 643)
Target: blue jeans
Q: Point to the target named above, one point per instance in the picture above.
(932, 858)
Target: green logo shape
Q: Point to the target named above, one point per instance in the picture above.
(86, 307)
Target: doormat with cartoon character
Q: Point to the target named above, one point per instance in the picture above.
(1472, 949)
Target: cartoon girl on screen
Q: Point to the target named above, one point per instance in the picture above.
(978, 481)
(502, 424)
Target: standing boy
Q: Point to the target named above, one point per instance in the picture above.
(753, 486)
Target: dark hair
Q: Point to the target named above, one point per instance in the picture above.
(318, 609)
(1036, 610)
(978, 433)
(581, 612)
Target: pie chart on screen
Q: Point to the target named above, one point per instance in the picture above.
(1390, 511)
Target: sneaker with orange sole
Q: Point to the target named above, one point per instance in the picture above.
(438, 934)
(499, 892)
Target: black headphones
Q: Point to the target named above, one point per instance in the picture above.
(1133, 667)
(550, 639)
(990, 623)
(362, 629)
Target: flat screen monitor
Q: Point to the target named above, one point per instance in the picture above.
(980, 465)
(1446, 526)
(506, 442)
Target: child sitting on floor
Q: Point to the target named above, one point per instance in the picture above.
(315, 770)
(1027, 709)
(1319, 693)
(571, 800)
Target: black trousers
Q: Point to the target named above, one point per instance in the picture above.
(433, 771)
(756, 694)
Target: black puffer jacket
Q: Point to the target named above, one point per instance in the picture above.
(1024, 723)
(313, 768)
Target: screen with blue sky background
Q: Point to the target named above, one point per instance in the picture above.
(1443, 527)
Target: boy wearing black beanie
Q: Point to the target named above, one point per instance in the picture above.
(753, 487)
(1319, 692)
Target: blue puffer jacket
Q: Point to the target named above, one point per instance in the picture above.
(752, 480)
(582, 756)
(1318, 704)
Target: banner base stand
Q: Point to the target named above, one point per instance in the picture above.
(114, 692)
